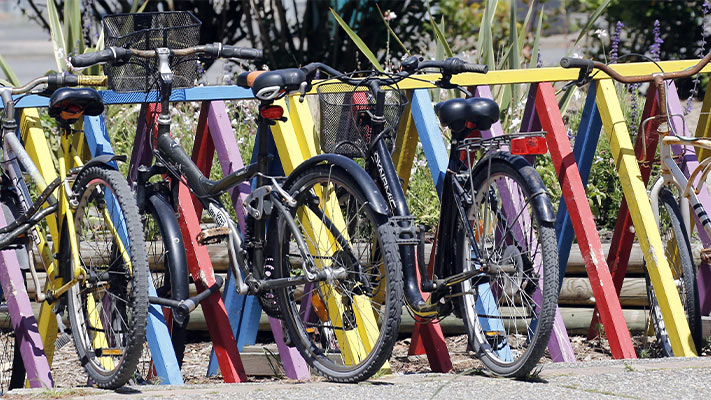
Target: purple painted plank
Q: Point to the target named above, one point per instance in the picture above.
(23, 319)
(689, 164)
(228, 153)
(141, 153)
(294, 365)
(559, 344)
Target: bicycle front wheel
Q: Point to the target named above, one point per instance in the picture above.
(677, 250)
(168, 264)
(108, 308)
(346, 327)
(508, 308)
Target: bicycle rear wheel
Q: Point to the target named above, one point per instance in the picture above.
(107, 310)
(509, 308)
(677, 250)
(344, 328)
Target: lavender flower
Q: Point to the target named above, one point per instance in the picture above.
(616, 42)
(656, 47)
(700, 51)
(539, 60)
(633, 89)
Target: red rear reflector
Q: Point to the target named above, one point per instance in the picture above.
(529, 145)
(272, 112)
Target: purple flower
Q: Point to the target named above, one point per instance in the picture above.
(656, 47)
(700, 51)
(633, 89)
(539, 60)
(616, 42)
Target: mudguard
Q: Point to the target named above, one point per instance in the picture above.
(362, 179)
(103, 160)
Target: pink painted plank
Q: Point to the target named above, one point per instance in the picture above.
(559, 346)
(23, 319)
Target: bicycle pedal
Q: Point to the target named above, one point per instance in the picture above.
(62, 341)
(706, 255)
(213, 235)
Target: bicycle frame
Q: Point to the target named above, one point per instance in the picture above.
(208, 193)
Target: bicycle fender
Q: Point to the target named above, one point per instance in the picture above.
(362, 179)
(538, 195)
(103, 160)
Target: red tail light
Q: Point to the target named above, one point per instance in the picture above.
(271, 112)
(529, 145)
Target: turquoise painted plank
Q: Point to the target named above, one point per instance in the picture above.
(427, 125)
(584, 153)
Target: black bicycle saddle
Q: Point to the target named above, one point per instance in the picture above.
(69, 104)
(270, 85)
(480, 112)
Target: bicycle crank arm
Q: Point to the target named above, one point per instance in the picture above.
(326, 274)
(184, 307)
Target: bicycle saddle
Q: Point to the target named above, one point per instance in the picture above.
(69, 104)
(462, 115)
(270, 85)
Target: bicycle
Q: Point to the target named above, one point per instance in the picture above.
(671, 197)
(310, 262)
(100, 273)
(497, 214)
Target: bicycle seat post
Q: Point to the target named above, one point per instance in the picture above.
(166, 88)
(663, 128)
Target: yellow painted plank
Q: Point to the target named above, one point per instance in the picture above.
(405, 145)
(38, 149)
(552, 74)
(703, 129)
(643, 219)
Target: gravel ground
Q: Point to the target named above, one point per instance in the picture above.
(634, 379)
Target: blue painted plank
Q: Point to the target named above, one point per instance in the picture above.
(199, 93)
(427, 126)
(584, 153)
(157, 333)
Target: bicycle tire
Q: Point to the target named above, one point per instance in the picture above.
(682, 267)
(163, 239)
(527, 246)
(120, 293)
(327, 327)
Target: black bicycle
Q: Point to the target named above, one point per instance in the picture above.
(497, 264)
(334, 277)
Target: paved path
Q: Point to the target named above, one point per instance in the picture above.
(679, 378)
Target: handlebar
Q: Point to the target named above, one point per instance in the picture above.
(119, 54)
(410, 65)
(568, 62)
(55, 81)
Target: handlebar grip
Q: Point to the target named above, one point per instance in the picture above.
(245, 53)
(478, 68)
(92, 80)
(107, 55)
(570, 62)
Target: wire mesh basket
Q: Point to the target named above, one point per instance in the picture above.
(345, 124)
(148, 31)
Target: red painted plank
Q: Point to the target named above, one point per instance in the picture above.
(583, 222)
(623, 235)
(200, 266)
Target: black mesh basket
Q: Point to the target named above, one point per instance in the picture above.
(345, 125)
(148, 31)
